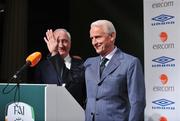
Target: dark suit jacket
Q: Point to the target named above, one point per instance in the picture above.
(54, 71)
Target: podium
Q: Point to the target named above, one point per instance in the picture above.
(50, 102)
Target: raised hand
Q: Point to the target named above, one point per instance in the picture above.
(51, 42)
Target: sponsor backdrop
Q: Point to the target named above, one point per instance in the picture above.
(162, 61)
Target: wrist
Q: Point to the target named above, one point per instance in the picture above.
(54, 53)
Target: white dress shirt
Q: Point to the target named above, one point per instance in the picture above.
(109, 56)
(67, 61)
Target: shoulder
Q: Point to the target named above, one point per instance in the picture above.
(129, 56)
(132, 61)
(43, 63)
(126, 56)
(77, 57)
(91, 60)
(77, 60)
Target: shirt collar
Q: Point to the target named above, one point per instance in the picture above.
(109, 56)
(67, 58)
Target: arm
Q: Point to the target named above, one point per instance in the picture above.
(59, 66)
(75, 74)
(136, 91)
(73, 78)
(54, 58)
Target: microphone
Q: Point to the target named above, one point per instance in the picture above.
(31, 61)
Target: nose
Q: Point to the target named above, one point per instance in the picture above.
(60, 44)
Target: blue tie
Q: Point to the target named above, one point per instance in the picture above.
(102, 66)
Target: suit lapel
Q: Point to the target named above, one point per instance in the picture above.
(96, 67)
(112, 65)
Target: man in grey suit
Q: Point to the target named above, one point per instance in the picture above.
(118, 94)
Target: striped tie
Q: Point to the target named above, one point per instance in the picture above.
(102, 66)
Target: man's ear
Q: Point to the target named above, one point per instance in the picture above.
(113, 36)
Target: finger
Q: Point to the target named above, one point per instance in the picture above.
(49, 35)
(45, 39)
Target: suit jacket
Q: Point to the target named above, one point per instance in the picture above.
(119, 95)
(54, 71)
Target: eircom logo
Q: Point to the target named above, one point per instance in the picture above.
(163, 118)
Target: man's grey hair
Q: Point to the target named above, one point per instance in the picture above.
(62, 29)
(107, 26)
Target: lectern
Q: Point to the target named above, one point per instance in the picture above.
(49, 102)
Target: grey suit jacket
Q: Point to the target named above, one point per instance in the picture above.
(119, 95)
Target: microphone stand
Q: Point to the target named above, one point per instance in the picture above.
(17, 91)
(15, 77)
(31, 60)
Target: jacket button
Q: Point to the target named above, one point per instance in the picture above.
(97, 99)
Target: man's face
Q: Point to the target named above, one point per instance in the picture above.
(64, 44)
(101, 41)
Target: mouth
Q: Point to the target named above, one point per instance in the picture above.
(61, 50)
(98, 46)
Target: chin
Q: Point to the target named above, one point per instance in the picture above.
(61, 53)
(98, 52)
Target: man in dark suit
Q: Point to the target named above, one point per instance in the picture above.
(118, 92)
(69, 72)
